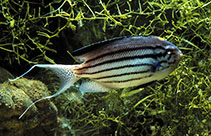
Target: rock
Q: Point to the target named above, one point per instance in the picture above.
(5, 75)
(15, 97)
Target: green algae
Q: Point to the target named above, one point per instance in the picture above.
(177, 105)
(28, 27)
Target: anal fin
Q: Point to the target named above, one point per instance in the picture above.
(92, 86)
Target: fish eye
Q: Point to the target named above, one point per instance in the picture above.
(169, 52)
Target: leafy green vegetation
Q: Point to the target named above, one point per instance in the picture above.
(177, 105)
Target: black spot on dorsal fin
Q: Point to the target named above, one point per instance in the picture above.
(94, 46)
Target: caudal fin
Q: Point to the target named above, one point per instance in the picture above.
(64, 72)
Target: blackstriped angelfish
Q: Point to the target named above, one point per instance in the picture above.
(117, 63)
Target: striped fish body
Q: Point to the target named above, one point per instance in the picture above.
(116, 63)
(127, 62)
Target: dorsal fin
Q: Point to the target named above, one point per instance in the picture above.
(94, 46)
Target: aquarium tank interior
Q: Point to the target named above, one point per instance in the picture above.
(47, 32)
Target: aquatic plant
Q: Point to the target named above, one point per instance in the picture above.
(177, 105)
(28, 27)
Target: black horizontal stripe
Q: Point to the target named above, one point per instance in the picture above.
(168, 60)
(126, 50)
(165, 61)
(123, 74)
(128, 80)
(169, 57)
(154, 56)
(116, 68)
(174, 59)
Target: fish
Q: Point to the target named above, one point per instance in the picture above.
(116, 63)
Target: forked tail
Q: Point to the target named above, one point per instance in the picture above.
(64, 72)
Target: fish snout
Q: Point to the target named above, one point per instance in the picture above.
(176, 52)
(180, 55)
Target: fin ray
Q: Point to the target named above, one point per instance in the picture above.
(23, 74)
(92, 86)
(64, 72)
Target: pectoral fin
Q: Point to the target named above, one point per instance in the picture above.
(92, 86)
